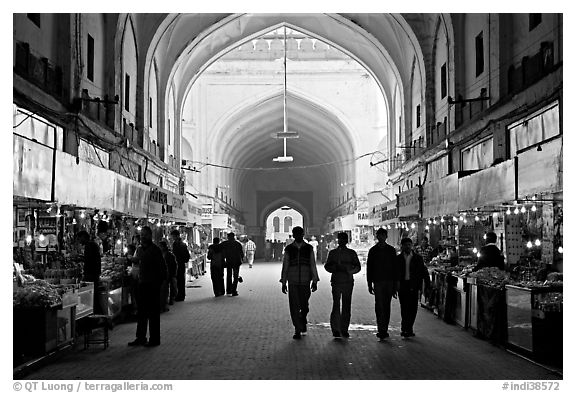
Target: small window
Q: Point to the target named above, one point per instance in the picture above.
(127, 92)
(90, 58)
(479, 54)
(533, 21)
(276, 224)
(287, 224)
(417, 116)
(443, 88)
(35, 18)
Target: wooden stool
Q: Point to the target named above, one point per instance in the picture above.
(97, 322)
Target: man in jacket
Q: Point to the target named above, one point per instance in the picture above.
(153, 272)
(413, 272)
(490, 254)
(343, 263)
(180, 251)
(298, 269)
(170, 286)
(216, 257)
(92, 268)
(382, 276)
(233, 256)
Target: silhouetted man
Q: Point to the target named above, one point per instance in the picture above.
(298, 269)
(180, 251)
(413, 272)
(382, 276)
(343, 263)
(490, 254)
(233, 256)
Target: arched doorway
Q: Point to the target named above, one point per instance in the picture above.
(279, 224)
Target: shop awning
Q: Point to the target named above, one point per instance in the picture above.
(491, 186)
(440, 197)
(32, 169)
(540, 171)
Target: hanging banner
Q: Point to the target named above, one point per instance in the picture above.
(540, 171)
(83, 184)
(348, 222)
(32, 169)
(130, 197)
(409, 202)
(491, 186)
(194, 212)
(440, 197)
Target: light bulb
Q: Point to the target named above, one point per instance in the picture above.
(529, 244)
(435, 222)
(125, 250)
(484, 236)
(533, 208)
(516, 211)
(537, 243)
(159, 224)
(82, 215)
(476, 218)
(560, 250)
(427, 227)
(28, 239)
(465, 221)
(461, 218)
(478, 255)
(41, 237)
(119, 241)
(523, 210)
(429, 221)
(475, 250)
(413, 226)
(138, 228)
(508, 211)
(442, 219)
(495, 214)
(74, 221)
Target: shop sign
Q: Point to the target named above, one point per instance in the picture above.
(490, 186)
(440, 197)
(388, 215)
(32, 169)
(220, 221)
(83, 184)
(540, 171)
(207, 211)
(409, 202)
(179, 208)
(194, 212)
(362, 218)
(160, 202)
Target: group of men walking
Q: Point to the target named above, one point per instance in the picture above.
(388, 274)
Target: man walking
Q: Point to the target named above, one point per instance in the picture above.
(250, 251)
(298, 269)
(233, 256)
(343, 263)
(216, 257)
(180, 251)
(412, 273)
(153, 272)
(382, 276)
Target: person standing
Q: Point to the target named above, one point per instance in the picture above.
(153, 271)
(413, 273)
(343, 263)
(170, 289)
(216, 257)
(490, 254)
(314, 243)
(180, 251)
(298, 270)
(233, 256)
(425, 250)
(268, 250)
(250, 249)
(92, 268)
(382, 276)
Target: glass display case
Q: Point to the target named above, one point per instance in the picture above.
(85, 304)
(535, 320)
(460, 301)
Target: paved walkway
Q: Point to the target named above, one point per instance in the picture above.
(250, 337)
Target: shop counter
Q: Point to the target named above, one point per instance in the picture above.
(532, 328)
(85, 302)
(491, 313)
(459, 292)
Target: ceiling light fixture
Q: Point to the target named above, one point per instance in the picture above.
(285, 134)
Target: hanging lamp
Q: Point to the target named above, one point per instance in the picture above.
(285, 134)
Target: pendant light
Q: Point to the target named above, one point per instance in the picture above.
(285, 134)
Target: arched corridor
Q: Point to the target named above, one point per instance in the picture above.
(249, 337)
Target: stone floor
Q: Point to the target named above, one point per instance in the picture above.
(249, 337)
